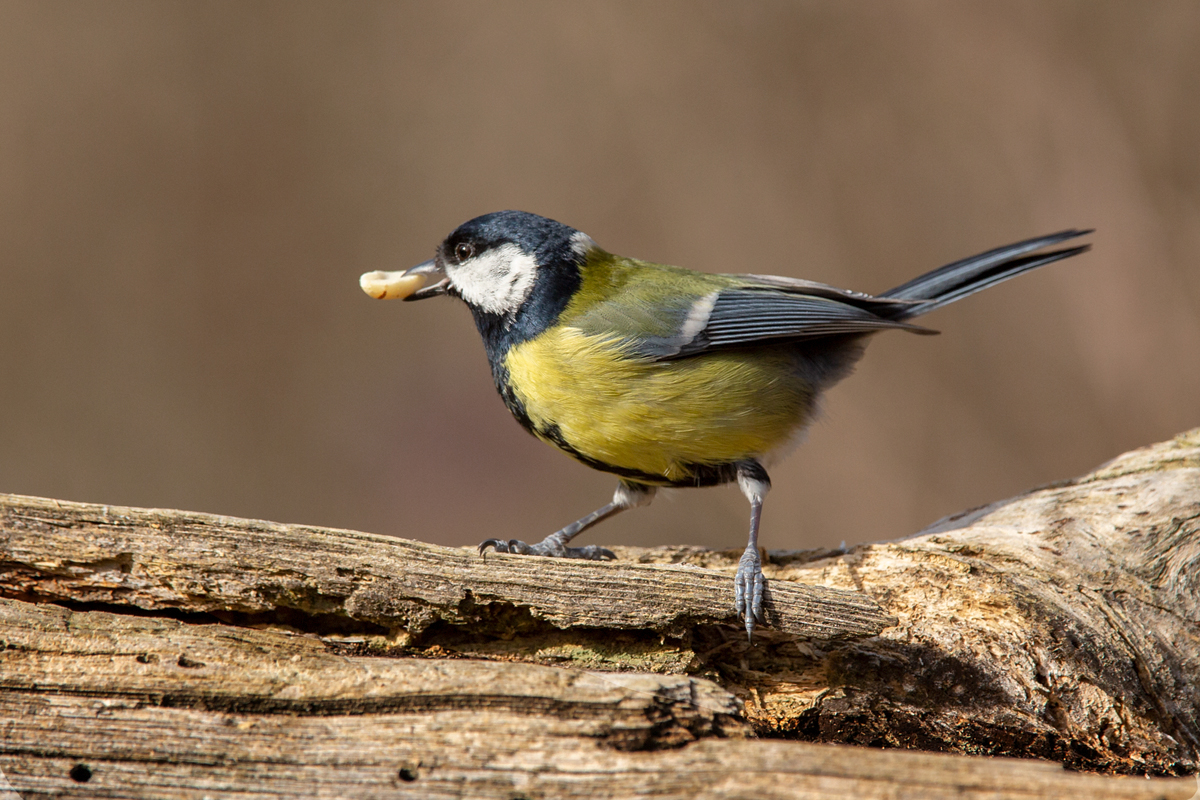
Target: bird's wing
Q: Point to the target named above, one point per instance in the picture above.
(739, 310)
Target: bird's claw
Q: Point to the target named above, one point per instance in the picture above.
(501, 546)
(552, 546)
(591, 552)
(748, 586)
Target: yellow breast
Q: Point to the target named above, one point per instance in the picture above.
(657, 417)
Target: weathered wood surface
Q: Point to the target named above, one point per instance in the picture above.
(1064, 623)
(329, 579)
(101, 705)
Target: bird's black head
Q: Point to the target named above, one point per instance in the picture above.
(515, 270)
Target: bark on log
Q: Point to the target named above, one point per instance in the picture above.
(169, 654)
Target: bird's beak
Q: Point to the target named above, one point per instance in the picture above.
(424, 280)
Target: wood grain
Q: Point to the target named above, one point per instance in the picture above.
(158, 559)
(176, 654)
(158, 708)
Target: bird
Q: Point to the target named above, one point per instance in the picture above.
(664, 376)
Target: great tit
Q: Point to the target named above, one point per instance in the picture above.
(661, 375)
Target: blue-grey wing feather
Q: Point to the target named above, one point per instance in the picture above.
(740, 316)
(745, 316)
(745, 309)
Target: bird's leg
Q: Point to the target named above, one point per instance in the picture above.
(748, 583)
(628, 495)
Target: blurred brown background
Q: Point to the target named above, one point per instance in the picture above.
(189, 191)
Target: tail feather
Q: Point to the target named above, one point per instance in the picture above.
(955, 281)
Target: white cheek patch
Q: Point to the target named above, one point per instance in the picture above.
(497, 281)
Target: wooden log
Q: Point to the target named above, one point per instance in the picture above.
(102, 705)
(1063, 624)
(177, 654)
(328, 579)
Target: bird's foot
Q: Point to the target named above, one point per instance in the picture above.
(748, 586)
(554, 545)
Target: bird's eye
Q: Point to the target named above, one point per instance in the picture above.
(463, 251)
